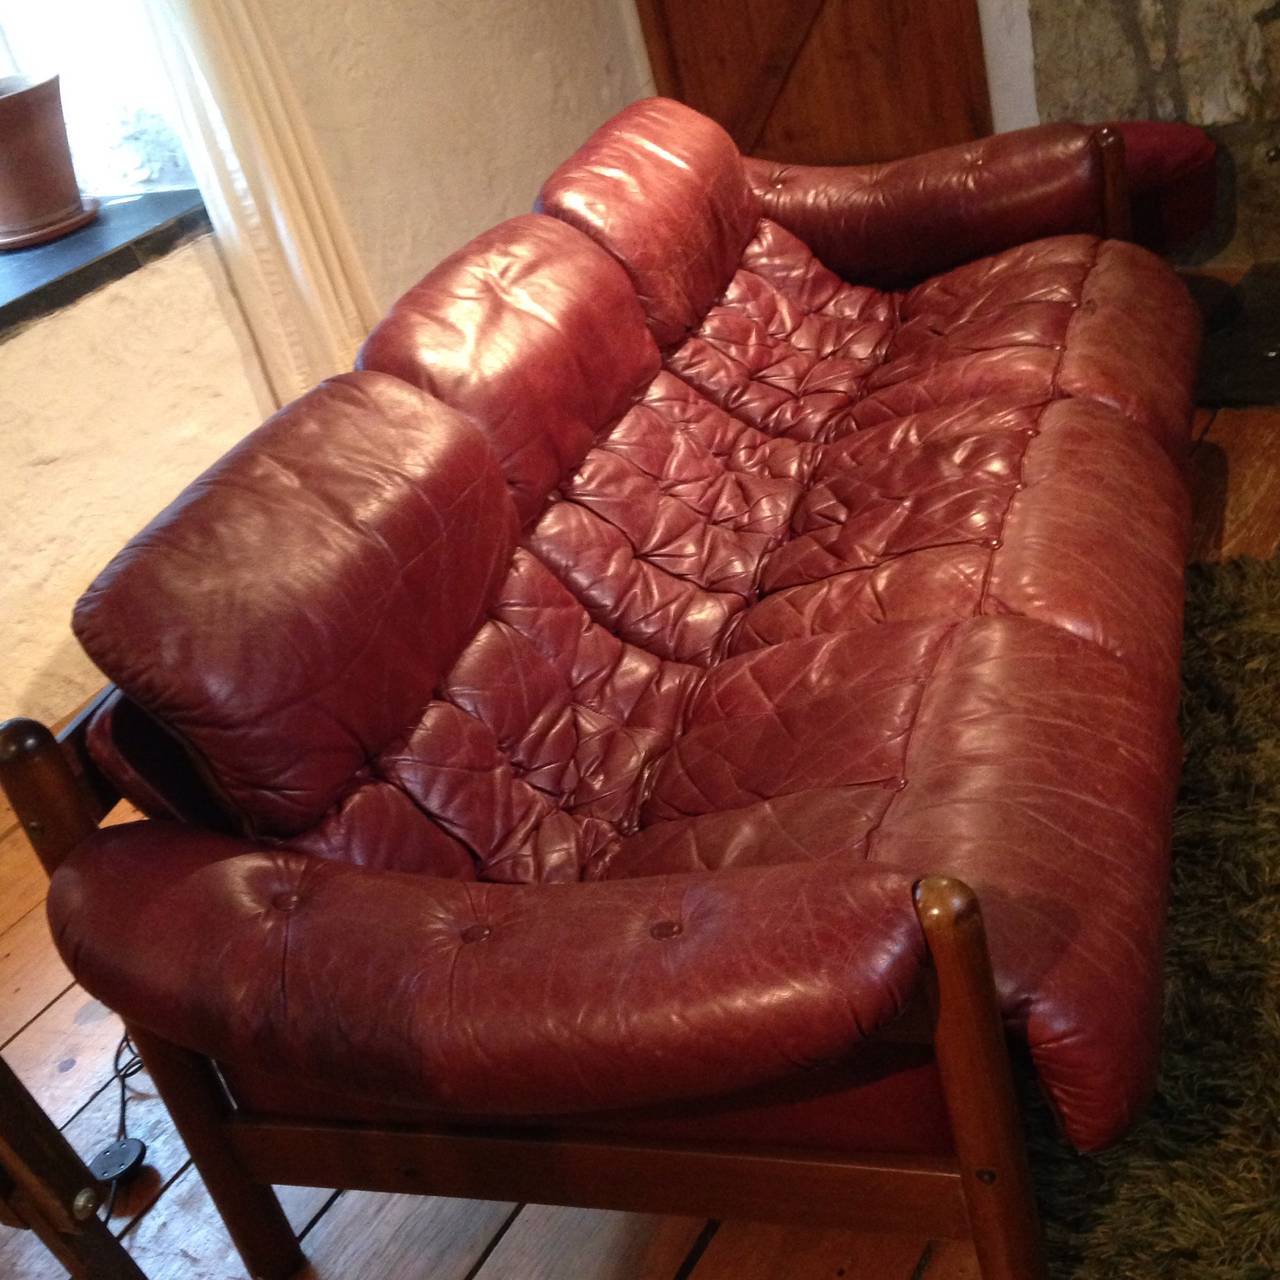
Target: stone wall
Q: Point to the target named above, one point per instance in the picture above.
(1214, 63)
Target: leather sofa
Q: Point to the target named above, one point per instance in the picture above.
(545, 727)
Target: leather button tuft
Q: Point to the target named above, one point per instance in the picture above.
(476, 933)
(285, 901)
(666, 929)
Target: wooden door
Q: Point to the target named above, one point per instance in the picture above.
(825, 81)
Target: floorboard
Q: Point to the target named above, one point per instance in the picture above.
(753, 1251)
(546, 1243)
(22, 1256)
(393, 1237)
(182, 1238)
(1235, 486)
(65, 1056)
(23, 883)
(32, 975)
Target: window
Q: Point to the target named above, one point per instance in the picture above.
(120, 112)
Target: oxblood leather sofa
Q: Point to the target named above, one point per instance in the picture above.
(574, 740)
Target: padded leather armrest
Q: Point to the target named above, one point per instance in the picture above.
(895, 223)
(491, 999)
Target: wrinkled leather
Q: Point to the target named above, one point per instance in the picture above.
(490, 327)
(486, 999)
(895, 223)
(817, 585)
(755, 490)
(662, 186)
(388, 545)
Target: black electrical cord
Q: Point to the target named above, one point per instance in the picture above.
(123, 1158)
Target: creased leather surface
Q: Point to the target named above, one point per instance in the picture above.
(661, 187)
(1042, 771)
(543, 365)
(844, 576)
(289, 611)
(487, 999)
(894, 223)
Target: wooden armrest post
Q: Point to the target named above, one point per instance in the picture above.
(1117, 219)
(56, 810)
(201, 1111)
(973, 1063)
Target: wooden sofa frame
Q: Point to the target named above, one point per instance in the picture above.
(982, 1191)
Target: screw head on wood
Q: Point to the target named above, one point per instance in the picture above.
(1272, 154)
(85, 1205)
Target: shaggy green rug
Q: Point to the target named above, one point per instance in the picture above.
(1193, 1193)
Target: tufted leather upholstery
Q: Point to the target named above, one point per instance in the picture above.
(895, 223)
(611, 653)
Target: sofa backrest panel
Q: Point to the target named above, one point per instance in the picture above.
(294, 609)
(664, 189)
(535, 331)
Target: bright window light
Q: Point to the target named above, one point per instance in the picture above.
(120, 113)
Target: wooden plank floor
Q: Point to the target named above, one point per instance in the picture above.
(61, 1042)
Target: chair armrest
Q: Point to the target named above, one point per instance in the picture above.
(484, 998)
(895, 223)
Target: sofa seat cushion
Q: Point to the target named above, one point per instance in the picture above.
(793, 350)
(1106, 320)
(1057, 511)
(664, 526)
(1014, 755)
(840, 451)
(529, 763)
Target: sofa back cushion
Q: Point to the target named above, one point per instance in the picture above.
(663, 188)
(665, 505)
(294, 609)
(536, 332)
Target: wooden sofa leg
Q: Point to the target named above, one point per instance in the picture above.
(973, 1063)
(198, 1104)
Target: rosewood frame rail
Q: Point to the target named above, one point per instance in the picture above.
(46, 1188)
(982, 1191)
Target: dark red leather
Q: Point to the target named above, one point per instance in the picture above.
(486, 999)
(662, 186)
(368, 499)
(894, 223)
(491, 328)
(825, 589)
(1172, 176)
(696, 530)
(794, 348)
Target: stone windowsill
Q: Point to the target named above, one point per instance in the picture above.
(129, 232)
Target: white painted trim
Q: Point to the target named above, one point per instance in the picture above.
(1010, 58)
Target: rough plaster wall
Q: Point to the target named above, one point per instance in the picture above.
(107, 409)
(438, 118)
(1006, 45)
(1214, 63)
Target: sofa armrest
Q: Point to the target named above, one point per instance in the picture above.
(484, 998)
(895, 223)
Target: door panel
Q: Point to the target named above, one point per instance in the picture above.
(825, 81)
